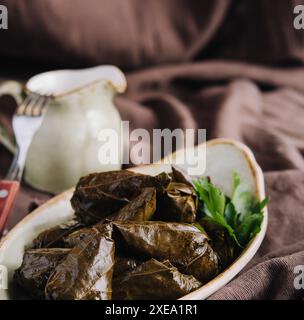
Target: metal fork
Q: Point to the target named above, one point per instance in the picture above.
(26, 121)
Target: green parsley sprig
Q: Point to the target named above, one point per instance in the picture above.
(241, 216)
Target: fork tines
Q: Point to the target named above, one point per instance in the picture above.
(34, 105)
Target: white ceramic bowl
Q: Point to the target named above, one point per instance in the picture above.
(223, 158)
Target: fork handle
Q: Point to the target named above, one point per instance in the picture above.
(8, 193)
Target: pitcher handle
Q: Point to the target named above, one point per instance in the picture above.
(12, 88)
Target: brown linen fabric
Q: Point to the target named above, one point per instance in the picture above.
(195, 81)
(137, 33)
(109, 31)
(271, 275)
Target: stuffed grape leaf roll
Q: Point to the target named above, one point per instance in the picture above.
(99, 195)
(86, 273)
(185, 246)
(124, 264)
(179, 203)
(154, 280)
(37, 266)
(221, 242)
(54, 237)
(141, 208)
(74, 238)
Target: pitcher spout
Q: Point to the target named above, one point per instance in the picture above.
(63, 82)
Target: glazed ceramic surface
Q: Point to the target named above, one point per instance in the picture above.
(223, 158)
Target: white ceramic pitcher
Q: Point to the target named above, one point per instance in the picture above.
(66, 146)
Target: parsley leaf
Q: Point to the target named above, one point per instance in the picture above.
(213, 198)
(240, 197)
(241, 216)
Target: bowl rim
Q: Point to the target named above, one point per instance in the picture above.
(230, 272)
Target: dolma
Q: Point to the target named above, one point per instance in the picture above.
(124, 264)
(179, 203)
(181, 177)
(86, 273)
(102, 178)
(98, 196)
(123, 183)
(154, 280)
(74, 238)
(53, 238)
(36, 268)
(185, 246)
(91, 207)
(140, 208)
(221, 242)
